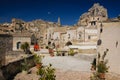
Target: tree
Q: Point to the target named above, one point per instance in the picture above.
(25, 47)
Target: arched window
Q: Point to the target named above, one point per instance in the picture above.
(93, 23)
(18, 45)
(89, 37)
(79, 36)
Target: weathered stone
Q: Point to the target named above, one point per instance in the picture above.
(18, 24)
(1, 75)
(5, 46)
(11, 69)
(96, 12)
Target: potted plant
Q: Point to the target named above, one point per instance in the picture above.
(25, 66)
(26, 48)
(51, 52)
(93, 67)
(46, 73)
(38, 60)
(102, 67)
(50, 73)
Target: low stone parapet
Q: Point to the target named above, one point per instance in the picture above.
(11, 69)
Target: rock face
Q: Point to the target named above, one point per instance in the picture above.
(37, 27)
(18, 24)
(96, 12)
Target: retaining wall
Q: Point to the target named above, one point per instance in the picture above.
(11, 69)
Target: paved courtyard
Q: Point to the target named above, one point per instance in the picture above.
(68, 63)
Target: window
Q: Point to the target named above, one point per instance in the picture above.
(101, 30)
(89, 37)
(79, 36)
(68, 36)
(97, 18)
(18, 45)
(93, 23)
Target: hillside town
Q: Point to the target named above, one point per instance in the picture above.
(94, 33)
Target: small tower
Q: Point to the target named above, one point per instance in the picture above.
(59, 21)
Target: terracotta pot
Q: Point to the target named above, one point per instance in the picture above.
(102, 75)
(50, 50)
(38, 65)
(52, 54)
(93, 68)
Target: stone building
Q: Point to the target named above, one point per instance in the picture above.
(91, 35)
(71, 34)
(59, 36)
(55, 34)
(110, 40)
(92, 26)
(96, 12)
(62, 35)
(81, 34)
(19, 38)
(6, 42)
(40, 28)
(5, 28)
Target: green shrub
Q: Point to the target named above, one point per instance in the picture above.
(101, 67)
(102, 64)
(37, 58)
(25, 66)
(25, 47)
(71, 52)
(46, 73)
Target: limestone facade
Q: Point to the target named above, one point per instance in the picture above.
(19, 38)
(110, 40)
(74, 34)
(96, 12)
(92, 25)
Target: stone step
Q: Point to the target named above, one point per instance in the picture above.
(88, 57)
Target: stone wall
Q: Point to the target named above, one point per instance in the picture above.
(11, 69)
(109, 37)
(89, 51)
(5, 46)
